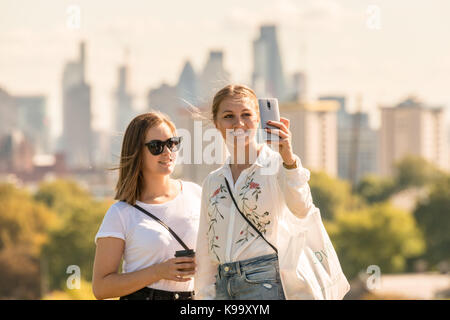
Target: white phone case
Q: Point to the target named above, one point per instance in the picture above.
(268, 110)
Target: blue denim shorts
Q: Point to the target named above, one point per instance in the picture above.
(253, 279)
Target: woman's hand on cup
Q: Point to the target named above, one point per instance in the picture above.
(179, 269)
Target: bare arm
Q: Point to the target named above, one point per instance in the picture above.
(108, 283)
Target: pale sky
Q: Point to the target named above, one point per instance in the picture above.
(334, 42)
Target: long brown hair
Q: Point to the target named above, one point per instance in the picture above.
(130, 182)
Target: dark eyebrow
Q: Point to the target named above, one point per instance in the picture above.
(245, 109)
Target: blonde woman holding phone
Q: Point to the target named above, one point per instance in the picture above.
(246, 203)
(155, 217)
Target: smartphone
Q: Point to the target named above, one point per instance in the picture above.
(185, 253)
(268, 110)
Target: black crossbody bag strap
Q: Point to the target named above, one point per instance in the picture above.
(246, 219)
(164, 225)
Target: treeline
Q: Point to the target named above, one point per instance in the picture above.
(41, 234)
(44, 232)
(366, 228)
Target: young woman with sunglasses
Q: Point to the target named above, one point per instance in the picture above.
(234, 261)
(150, 271)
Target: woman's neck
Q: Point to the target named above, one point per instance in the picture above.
(245, 156)
(157, 188)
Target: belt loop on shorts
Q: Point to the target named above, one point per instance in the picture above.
(238, 268)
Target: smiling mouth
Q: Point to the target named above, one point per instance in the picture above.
(166, 163)
(239, 133)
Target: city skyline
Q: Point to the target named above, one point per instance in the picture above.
(331, 43)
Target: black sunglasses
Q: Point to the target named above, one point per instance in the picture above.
(156, 147)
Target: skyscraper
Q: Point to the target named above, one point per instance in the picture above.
(268, 78)
(188, 85)
(357, 151)
(124, 111)
(77, 131)
(214, 77)
(33, 121)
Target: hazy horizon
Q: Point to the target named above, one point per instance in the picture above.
(330, 41)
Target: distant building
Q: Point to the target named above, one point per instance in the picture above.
(268, 77)
(171, 99)
(191, 89)
(412, 128)
(213, 77)
(188, 86)
(124, 111)
(296, 91)
(314, 133)
(8, 113)
(33, 121)
(102, 149)
(16, 153)
(165, 99)
(357, 142)
(344, 119)
(77, 131)
(198, 148)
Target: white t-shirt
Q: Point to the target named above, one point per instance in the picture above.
(146, 241)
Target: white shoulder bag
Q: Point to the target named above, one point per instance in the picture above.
(309, 266)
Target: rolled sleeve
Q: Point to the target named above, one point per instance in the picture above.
(112, 225)
(295, 189)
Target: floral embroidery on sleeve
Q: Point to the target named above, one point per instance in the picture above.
(213, 215)
(251, 189)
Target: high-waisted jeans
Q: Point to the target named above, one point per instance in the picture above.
(253, 279)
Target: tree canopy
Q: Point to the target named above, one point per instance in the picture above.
(379, 235)
(433, 217)
(72, 243)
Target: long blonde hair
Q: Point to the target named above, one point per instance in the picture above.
(235, 91)
(130, 182)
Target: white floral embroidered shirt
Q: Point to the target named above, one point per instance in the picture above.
(263, 192)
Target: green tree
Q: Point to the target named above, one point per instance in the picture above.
(379, 235)
(375, 189)
(413, 171)
(62, 195)
(72, 243)
(24, 228)
(433, 217)
(331, 195)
